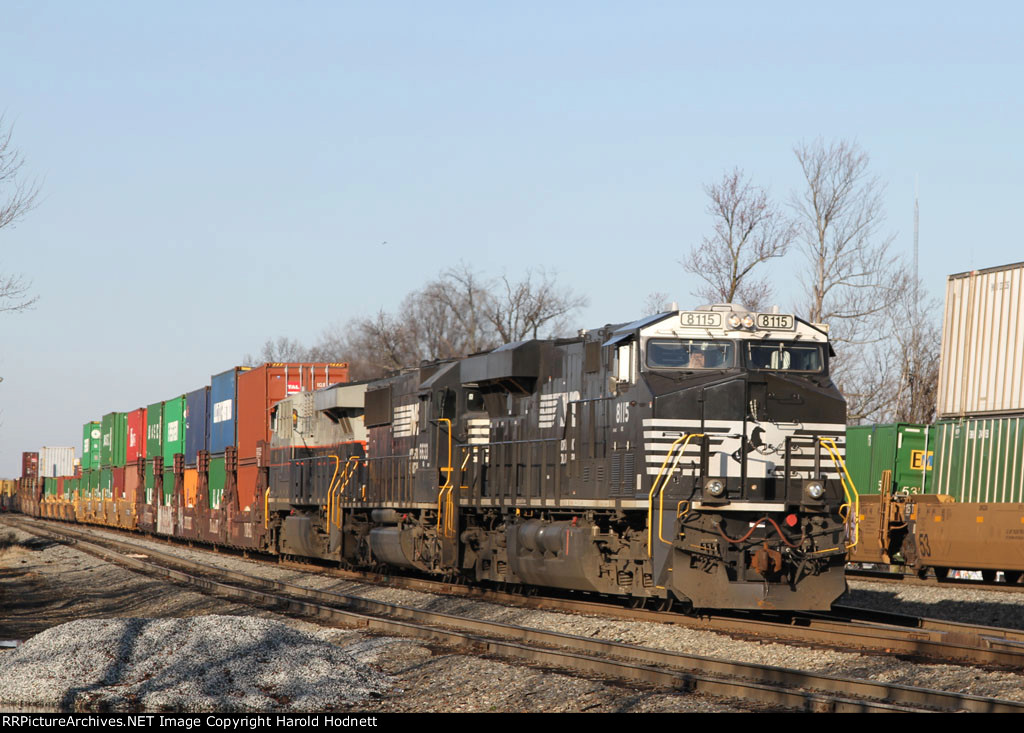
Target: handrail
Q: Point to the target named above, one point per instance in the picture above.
(351, 465)
(330, 488)
(446, 469)
(685, 440)
(848, 487)
(266, 509)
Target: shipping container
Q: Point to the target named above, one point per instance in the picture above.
(30, 464)
(168, 492)
(262, 387)
(155, 430)
(197, 428)
(980, 460)
(56, 461)
(117, 482)
(904, 449)
(114, 427)
(222, 408)
(106, 486)
(135, 441)
(982, 362)
(217, 478)
(91, 440)
(174, 430)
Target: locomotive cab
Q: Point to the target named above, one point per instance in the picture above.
(742, 438)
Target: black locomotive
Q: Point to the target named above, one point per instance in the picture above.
(691, 456)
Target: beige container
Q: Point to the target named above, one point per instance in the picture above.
(982, 367)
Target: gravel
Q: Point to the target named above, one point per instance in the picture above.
(425, 678)
(222, 663)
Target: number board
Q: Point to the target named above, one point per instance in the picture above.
(700, 319)
(775, 322)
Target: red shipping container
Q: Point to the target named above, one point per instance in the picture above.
(118, 482)
(262, 387)
(135, 445)
(60, 487)
(29, 465)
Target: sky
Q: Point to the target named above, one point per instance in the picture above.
(216, 174)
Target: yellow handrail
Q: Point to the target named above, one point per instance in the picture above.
(848, 487)
(351, 465)
(446, 469)
(330, 488)
(266, 508)
(685, 440)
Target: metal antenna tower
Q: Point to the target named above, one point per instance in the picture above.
(916, 213)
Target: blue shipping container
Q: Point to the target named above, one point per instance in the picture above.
(223, 410)
(197, 429)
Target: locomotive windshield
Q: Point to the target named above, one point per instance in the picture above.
(785, 356)
(690, 354)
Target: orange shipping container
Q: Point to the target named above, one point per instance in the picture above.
(191, 486)
(262, 387)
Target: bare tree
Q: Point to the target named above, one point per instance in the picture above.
(748, 231)
(851, 275)
(917, 334)
(657, 302)
(460, 312)
(532, 307)
(279, 350)
(17, 198)
(853, 282)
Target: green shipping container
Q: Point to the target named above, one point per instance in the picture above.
(50, 487)
(155, 430)
(217, 478)
(174, 430)
(168, 487)
(94, 484)
(92, 438)
(980, 460)
(903, 448)
(114, 429)
(106, 487)
(150, 480)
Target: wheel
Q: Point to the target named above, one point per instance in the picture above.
(942, 574)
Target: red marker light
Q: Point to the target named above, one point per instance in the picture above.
(791, 520)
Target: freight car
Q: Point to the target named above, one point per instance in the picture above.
(941, 497)
(955, 499)
(690, 456)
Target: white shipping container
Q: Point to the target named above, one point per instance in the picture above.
(982, 366)
(56, 461)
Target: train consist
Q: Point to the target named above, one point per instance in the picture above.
(951, 495)
(692, 457)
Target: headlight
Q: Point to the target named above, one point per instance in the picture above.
(748, 322)
(815, 490)
(714, 487)
(734, 321)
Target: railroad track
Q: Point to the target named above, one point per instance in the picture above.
(904, 579)
(587, 656)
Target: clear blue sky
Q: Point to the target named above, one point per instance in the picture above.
(214, 174)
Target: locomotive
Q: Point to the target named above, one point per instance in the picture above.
(691, 456)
